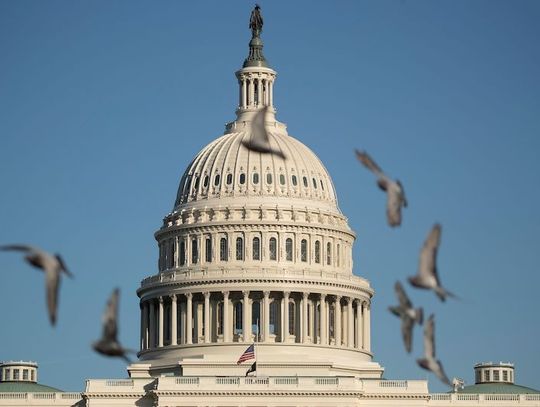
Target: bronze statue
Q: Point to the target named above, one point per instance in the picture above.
(256, 21)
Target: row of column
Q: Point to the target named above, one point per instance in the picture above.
(246, 316)
(256, 92)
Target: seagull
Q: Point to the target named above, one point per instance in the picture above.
(427, 277)
(108, 344)
(395, 193)
(408, 315)
(52, 265)
(259, 140)
(429, 362)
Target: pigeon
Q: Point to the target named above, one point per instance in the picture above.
(429, 362)
(108, 344)
(395, 194)
(52, 265)
(409, 316)
(427, 277)
(259, 141)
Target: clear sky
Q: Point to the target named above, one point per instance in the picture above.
(104, 103)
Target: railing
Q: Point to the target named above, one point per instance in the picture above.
(42, 396)
(119, 382)
(485, 399)
(187, 380)
(325, 381)
(393, 383)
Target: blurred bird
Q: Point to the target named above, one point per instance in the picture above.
(409, 316)
(395, 194)
(259, 140)
(429, 362)
(427, 276)
(52, 265)
(108, 344)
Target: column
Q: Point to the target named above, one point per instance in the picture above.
(317, 321)
(324, 323)
(152, 333)
(312, 322)
(259, 92)
(305, 317)
(174, 328)
(251, 92)
(226, 323)
(183, 323)
(350, 323)
(271, 93)
(358, 324)
(206, 317)
(160, 322)
(337, 320)
(285, 319)
(189, 319)
(367, 325)
(144, 317)
(266, 316)
(244, 93)
(246, 331)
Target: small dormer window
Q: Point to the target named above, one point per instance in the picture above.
(305, 182)
(505, 375)
(269, 178)
(242, 179)
(314, 183)
(216, 180)
(322, 185)
(197, 178)
(294, 180)
(229, 179)
(282, 179)
(206, 180)
(255, 178)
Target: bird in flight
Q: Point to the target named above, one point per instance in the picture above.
(427, 276)
(108, 344)
(259, 140)
(52, 265)
(395, 194)
(429, 362)
(408, 314)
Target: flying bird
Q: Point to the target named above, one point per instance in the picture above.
(429, 362)
(108, 344)
(408, 314)
(427, 276)
(395, 194)
(52, 265)
(259, 140)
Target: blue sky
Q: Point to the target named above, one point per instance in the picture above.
(103, 105)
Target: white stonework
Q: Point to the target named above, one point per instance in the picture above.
(257, 250)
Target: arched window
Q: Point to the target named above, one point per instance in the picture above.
(288, 249)
(303, 250)
(208, 250)
(238, 317)
(194, 251)
(322, 185)
(328, 254)
(239, 248)
(182, 253)
(223, 249)
(216, 180)
(292, 315)
(273, 248)
(197, 179)
(317, 251)
(256, 255)
(256, 320)
(242, 179)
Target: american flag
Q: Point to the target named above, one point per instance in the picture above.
(248, 354)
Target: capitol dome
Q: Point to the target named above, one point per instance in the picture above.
(255, 251)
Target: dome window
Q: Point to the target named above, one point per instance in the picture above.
(314, 183)
(322, 185)
(292, 315)
(303, 250)
(256, 255)
(238, 317)
(269, 178)
(194, 251)
(239, 248)
(206, 180)
(229, 179)
(182, 253)
(305, 182)
(208, 250)
(294, 180)
(223, 249)
(242, 179)
(282, 179)
(289, 249)
(317, 252)
(328, 254)
(255, 178)
(196, 187)
(273, 248)
(216, 180)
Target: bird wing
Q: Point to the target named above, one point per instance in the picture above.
(428, 255)
(394, 202)
(407, 324)
(21, 248)
(259, 135)
(368, 162)
(401, 295)
(429, 338)
(63, 265)
(52, 285)
(110, 315)
(439, 371)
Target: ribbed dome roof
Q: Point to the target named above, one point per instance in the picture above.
(225, 168)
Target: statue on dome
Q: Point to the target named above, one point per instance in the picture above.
(256, 21)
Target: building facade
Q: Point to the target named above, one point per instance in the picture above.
(257, 251)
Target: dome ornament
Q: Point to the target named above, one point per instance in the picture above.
(256, 21)
(255, 57)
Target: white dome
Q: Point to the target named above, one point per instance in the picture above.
(225, 168)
